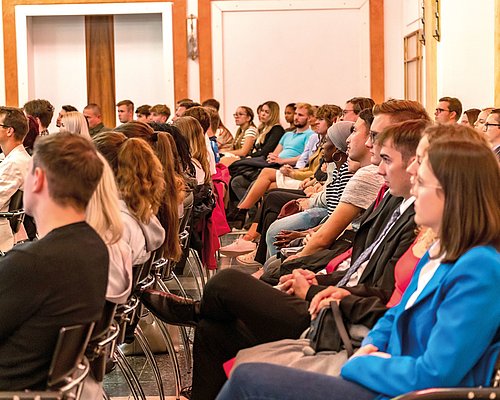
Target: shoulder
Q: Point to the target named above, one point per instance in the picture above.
(251, 131)
(482, 256)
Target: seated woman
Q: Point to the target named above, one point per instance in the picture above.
(288, 177)
(192, 131)
(245, 136)
(139, 177)
(270, 133)
(103, 214)
(424, 341)
(75, 122)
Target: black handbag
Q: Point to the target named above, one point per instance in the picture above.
(328, 332)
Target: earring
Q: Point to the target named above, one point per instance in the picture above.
(339, 158)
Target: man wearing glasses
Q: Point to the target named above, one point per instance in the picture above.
(354, 106)
(448, 111)
(13, 129)
(491, 130)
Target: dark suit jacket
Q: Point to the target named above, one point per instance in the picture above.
(378, 277)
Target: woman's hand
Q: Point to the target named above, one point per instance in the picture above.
(285, 237)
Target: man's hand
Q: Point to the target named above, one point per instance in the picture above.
(285, 237)
(274, 159)
(323, 299)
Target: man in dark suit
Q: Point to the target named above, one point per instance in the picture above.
(238, 311)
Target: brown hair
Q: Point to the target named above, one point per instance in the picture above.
(401, 110)
(41, 109)
(214, 119)
(139, 174)
(329, 112)
(454, 132)
(404, 136)
(468, 173)
(454, 105)
(360, 103)
(144, 110)
(200, 114)
(310, 109)
(161, 109)
(72, 167)
(15, 119)
(191, 129)
(128, 103)
(136, 129)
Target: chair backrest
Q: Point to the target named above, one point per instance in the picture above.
(68, 353)
(188, 208)
(16, 205)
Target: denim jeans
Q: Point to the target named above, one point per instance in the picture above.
(300, 221)
(258, 381)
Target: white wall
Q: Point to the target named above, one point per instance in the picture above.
(289, 55)
(193, 73)
(139, 66)
(466, 52)
(56, 59)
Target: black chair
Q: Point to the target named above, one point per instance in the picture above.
(15, 215)
(491, 392)
(69, 367)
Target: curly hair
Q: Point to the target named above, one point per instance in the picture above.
(138, 171)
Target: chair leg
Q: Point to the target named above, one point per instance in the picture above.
(172, 355)
(199, 266)
(143, 342)
(129, 375)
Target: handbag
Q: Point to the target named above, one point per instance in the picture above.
(290, 208)
(328, 332)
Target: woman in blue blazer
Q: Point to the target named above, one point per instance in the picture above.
(446, 330)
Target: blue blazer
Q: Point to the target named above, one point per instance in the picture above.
(449, 337)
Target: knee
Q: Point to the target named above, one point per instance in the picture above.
(222, 281)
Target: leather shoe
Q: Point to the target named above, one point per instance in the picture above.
(172, 309)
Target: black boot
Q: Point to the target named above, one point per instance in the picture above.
(172, 309)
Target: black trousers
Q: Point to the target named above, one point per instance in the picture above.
(273, 201)
(237, 312)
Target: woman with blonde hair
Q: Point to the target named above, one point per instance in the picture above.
(193, 132)
(139, 177)
(74, 122)
(103, 214)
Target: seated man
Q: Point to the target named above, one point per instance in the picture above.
(13, 129)
(59, 280)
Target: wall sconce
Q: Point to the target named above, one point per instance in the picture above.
(192, 39)
(437, 22)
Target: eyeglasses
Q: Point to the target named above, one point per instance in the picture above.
(418, 183)
(344, 112)
(5, 126)
(440, 110)
(487, 125)
(239, 115)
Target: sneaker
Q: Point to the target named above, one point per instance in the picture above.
(238, 247)
(248, 260)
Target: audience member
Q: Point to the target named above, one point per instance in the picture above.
(139, 177)
(13, 169)
(448, 111)
(160, 113)
(289, 114)
(492, 130)
(125, 110)
(244, 138)
(64, 110)
(143, 113)
(32, 135)
(469, 117)
(446, 285)
(60, 279)
(75, 123)
(42, 111)
(481, 119)
(92, 113)
(354, 106)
